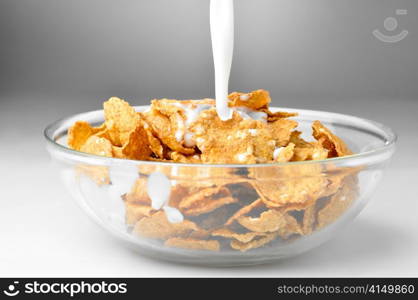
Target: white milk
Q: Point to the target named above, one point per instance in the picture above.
(192, 114)
(222, 33)
(276, 152)
(159, 190)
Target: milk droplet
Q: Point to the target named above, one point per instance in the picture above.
(173, 214)
(192, 113)
(244, 97)
(179, 135)
(253, 132)
(277, 151)
(159, 187)
(248, 114)
(242, 157)
(189, 140)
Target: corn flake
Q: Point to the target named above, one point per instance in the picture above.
(330, 141)
(135, 212)
(164, 128)
(241, 237)
(255, 243)
(206, 200)
(337, 206)
(158, 227)
(120, 119)
(269, 221)
(97, 146)
(193, 244)
(254, 100)
(79, 133)
(137, 146)
(244, 211)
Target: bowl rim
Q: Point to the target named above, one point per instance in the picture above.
(390, 136)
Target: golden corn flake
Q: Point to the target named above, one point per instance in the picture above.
(169, 106)
(274, 116)
(158, 227)
(199, 177)
(281, 131)
(241, 237)
(244, 211)
(194, 176)
(178, 193)
(216, 218)
(165, 130)
(206, 200)
(309, 219)
(295, 138)
(79, 133)
(193, 244)
(255, 243)
(155, 144)
(166, 107)
(330, 141)
(139, 192)
(235, 141)
(285, 154)
(337, 206)
(201, 195)
(208, 176)
(148, 169)
(314, 152)
(254, 100)
(293, 186)
(269, 221)
(121, 119)
(209, 206)
(117, 152)
(306, 150)
(291, 227)
(97, 146)
(190, 159)
(200, 234)
(337, 177)
(135, 212)
(137, 146)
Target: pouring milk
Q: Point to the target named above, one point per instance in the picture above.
(222, 34)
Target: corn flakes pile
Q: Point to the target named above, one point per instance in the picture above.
(221, 208)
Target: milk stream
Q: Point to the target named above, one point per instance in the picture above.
(222, 34)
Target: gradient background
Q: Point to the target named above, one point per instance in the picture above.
(59, 57)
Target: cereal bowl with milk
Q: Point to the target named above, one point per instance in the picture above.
(189, 210)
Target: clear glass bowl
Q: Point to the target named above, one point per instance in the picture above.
(227, 214)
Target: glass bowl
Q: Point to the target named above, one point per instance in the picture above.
(226, 214)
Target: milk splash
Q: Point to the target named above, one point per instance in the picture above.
(159, 189)
(222, 34)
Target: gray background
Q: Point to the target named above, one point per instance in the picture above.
(142, 49)
(61, 57)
